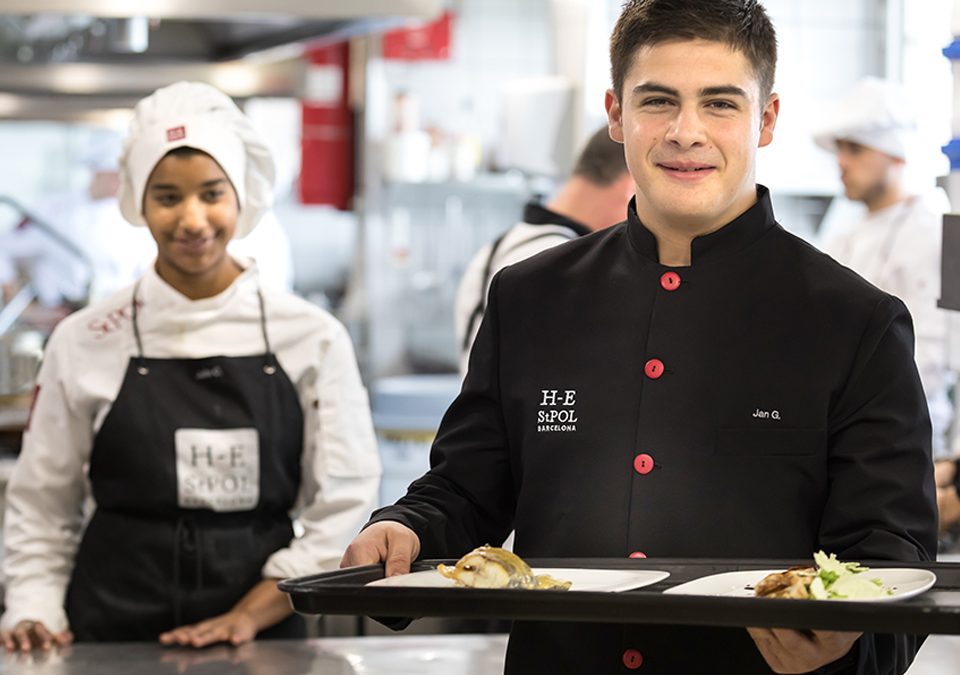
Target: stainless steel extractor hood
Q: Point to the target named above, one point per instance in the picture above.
(61, 57)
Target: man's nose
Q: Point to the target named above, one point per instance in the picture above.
(686, 128)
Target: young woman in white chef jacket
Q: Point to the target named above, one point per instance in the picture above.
(198, 410)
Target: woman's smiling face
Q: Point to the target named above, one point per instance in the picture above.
(191, 209)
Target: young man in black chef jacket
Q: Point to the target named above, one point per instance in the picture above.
(726, 390)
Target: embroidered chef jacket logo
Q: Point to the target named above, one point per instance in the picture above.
(218, 469)
(766, 414)
(557, 411)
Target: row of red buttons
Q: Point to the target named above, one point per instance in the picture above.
(654, 368)
(643, 463)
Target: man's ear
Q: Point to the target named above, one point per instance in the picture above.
(614, 116)
(768, 119)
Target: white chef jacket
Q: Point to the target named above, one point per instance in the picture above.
(898, 250)
(83, 369)
(519, 243)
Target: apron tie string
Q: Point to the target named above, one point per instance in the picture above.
(187, 535)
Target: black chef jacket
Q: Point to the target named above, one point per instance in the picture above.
(762, 402)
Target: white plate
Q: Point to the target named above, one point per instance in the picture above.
(581, 579)
(904, 582)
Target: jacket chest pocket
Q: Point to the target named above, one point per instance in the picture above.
(759, 442)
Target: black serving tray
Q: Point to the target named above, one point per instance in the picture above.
(937, 611)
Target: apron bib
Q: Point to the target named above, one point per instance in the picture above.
(194, 473)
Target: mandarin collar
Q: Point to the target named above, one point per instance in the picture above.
(154, 290)
(731, 238)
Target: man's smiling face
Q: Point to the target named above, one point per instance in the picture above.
(691, 120)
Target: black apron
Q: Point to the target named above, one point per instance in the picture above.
(194, 473)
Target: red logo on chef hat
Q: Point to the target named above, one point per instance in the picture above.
(176, 134)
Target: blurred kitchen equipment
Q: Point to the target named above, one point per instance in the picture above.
(21, 345)
(21, 350)
(406, 414)
(407, 150)
(27, 218)
(538, 136)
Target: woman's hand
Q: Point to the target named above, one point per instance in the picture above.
(944, 472)
(948, 505)
(263, 606)
(29, 635)
(235, 627)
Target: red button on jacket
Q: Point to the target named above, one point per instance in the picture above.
(670, 281)
(638, 554)
(653, 369)
(632, 659)
(643, 464)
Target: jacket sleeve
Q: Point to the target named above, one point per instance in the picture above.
(340, 466)
(468, 496)
(882, 502)
(44, 508)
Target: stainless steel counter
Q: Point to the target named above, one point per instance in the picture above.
(393, 655)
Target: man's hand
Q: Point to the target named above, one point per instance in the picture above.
(30, 635)
(790, 651)
(388, 542)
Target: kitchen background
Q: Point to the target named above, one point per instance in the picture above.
(407, 135)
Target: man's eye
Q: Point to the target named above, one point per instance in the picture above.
(721, 105)
(655, 102)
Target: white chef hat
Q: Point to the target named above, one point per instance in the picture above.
(196, 115)
(875, 113)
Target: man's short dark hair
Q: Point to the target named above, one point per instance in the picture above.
(601, 160)
(742, 25)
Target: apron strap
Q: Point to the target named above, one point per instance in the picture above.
(186, 534)
(142, 368)
(269, 366)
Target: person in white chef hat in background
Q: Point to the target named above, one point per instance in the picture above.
(197, 408)
(106, 253)
(896, 246)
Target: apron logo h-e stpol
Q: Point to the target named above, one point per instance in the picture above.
(218, 469)
(558, 412)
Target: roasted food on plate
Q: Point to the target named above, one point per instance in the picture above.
(829, 580)
(492, 567)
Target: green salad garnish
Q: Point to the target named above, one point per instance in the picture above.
(837, 580)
